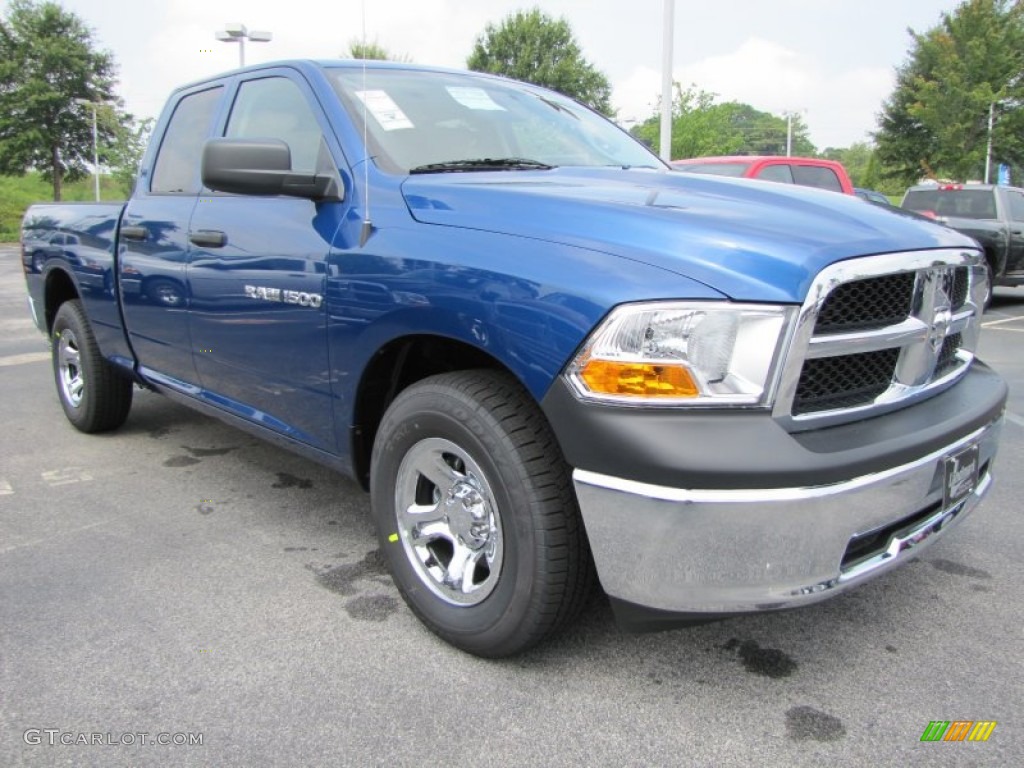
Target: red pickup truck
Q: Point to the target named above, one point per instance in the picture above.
(805, 171)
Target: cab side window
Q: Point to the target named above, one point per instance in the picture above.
(176, 171)
(275, 108)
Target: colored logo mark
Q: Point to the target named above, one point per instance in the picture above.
(958, 730)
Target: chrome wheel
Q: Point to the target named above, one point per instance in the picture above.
(448, 522)
(69, 362)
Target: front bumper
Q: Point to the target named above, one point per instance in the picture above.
(738, 515)
(733, 551)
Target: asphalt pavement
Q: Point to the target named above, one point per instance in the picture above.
(180, 581)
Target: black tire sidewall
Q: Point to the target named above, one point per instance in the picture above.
(485, 627)
(69, 317)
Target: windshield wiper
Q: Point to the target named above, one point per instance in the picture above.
(483, 164)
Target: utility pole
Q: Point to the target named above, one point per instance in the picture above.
(667, 35)
(96, 144)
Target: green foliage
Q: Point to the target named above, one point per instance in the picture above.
(19, 192)
(536, 48)
(123, 155)
(47, 60)
(700, 127)
(358, 49)
(935, 123)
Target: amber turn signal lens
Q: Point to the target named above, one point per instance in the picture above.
(611, 377)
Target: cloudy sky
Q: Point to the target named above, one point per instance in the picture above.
(831, 60)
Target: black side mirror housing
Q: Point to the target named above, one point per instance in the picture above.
(261, 167)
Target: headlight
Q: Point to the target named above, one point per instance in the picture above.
(675, 353)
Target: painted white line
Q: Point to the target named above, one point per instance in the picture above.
(62, 532)
(1000, 322)
(1014, 418)
(6, 489)
(27, 357)
(1012, 330)
(65, 476)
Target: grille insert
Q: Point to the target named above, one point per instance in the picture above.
(947, 355)
(957, 286)
(829, 383)
(867, 304)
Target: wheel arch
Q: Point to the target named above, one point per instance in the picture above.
(397, 365)
(59, 288)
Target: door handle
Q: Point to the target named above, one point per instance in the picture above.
(210, 238)
(134, 233)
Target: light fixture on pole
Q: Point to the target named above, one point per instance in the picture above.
(95, 142)
(237, 33)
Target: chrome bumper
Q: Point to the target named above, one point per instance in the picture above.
(732, 551)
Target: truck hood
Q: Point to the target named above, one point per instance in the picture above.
(750, 240)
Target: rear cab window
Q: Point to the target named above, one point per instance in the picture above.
(776, 172)
(714, 169)
(817, 176)
(958, 203)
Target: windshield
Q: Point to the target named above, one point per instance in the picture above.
(958, 203)
(435, 121)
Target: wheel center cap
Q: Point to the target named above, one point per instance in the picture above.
(466, 511)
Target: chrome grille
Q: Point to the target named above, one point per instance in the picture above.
(880, 332)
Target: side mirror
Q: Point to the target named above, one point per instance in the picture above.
(261, 167)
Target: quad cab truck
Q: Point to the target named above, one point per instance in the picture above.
(546, 355)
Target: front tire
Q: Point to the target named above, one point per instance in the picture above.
(476, 515)
(95, 396)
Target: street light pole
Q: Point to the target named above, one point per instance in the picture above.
(667, 35)
(988, 150)
(237, 33)
(95, 144)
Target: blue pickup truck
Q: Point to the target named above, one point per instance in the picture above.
(545, 354)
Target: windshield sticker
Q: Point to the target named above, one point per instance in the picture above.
(474, 98)
(384, 110)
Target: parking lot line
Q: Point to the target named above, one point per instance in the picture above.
(993, 323)
(1014, 418)
(27, 357)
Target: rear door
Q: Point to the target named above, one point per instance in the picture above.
(258, 274)
(153, 243)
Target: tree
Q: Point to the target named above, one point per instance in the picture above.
(701, 127)
(124, 153)
(935, 122)
(532, 46)
(360, 49)
(47, 60)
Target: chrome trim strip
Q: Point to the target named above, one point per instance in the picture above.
(753, 495)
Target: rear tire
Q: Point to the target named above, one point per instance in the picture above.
(95, 396)
(476, 515)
